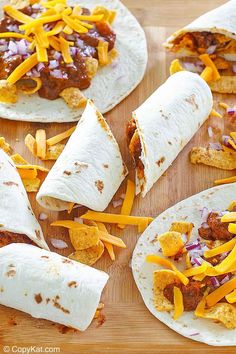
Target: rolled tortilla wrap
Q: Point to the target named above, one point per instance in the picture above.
(90, 169)
(47, 285)
(17, 220)
(164, 124)
(221, 20)
(188, 210)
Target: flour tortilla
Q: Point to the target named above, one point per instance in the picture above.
(220, 20)
(199, 329)
(110, 85)
(90, 169)
(16, 214)
(47, 285)
(166, 122)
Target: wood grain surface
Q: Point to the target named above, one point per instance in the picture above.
(128, 326)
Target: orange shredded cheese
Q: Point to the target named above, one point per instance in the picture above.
(232, 228)
(231, 298)
(15, 35)
(30, 91)
(114, 218)
(17, 15)
(76, 26)
(225, 180)
(226, 247)
(29, 174)
(128, 201)
(40, 21)
(57, 138)
(54, 43)
(216, 114)
(56, 29)
(200, 309)
(195, 270)
(42, 55)
(229, 217)
(40, 138)
(108, 245)
(71, 205)
(178, 303)
(228, 262)
(65, 50)
(207, 74)
(102, 49)
(224, 105)
(22, 69)
(152, 258)
(220, 292)
(205, 58)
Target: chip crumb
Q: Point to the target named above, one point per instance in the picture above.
(73, 97)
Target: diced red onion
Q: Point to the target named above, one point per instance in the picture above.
(80, 43)
(231, 111)
(25, 56)
(40, 67)
(35, 73)
(204, 214)
(22, 46)
(73, 50)
(57, 74)
(205, 225)
(215, 146)
(210, 132)
(64, 76)
(53, 64)
(192, 245)
(59, 244)
(117, 203)
(214, 282)
(13, 47)
(34, 15)
(8, 54)
(192, 67)
(13, 28)
(225, 279)
(225, 140)
(36, 6)
(195, 253)
(197, 261)
(3, 47)
(70, 37)
(211, 49)
(57, 55)
(43, 216)
(79, 220)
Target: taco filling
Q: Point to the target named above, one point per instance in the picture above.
(200, 274)
(7, 237)
(135, 147)
(49, 47)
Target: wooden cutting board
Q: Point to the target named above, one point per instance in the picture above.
(127, 325)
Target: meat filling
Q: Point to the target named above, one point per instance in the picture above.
(192, 294)
(7, 237)
(216, 229)
(135, 147)
(200, 42)
(71, 75)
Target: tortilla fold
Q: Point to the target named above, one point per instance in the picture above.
(17, 220)
(90, 169)
(49, 286)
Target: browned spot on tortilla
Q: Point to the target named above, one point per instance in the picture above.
(124, 173)
(100, 185)
(68, 173)
(10, 183)
(155, 239)
(44, 257)
(191, 100)
(47, 300)
(105, 165)
(160, 161)
(169, 142)
(29, 208)
(72, 284)
(58, 305)
(37, 233)
(1, 289)
(11, 273)
(64, 260)
(38, 298)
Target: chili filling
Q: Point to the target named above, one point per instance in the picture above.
(7, 237)
(200, 42)
(216, 229)
(55, 74)
(135, 147)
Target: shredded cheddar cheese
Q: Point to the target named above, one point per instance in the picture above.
(232, 205)
(225, 247)
(152, 258)
(229, 217)
(228, 262)
(205, 58)
(220, 292)
(216, 114)
(224, 105)
(231, 298)
(107, 245)
(207, 74)
(102, 49)
(57, 138)
(128, 201)
(17, 15)
(40, 138)
(232, 228)
(178, 303)
(195, 270)
(225, 180)
(200, 310)
(65, 50)
(22, 69)
(30, 91)
(15, 35)
(29, 174)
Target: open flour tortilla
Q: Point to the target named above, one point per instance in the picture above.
(166, 122)
(47, 285)
(110, 85)
(199, 329)
(90, 169)
(16, 215)
(220, 20)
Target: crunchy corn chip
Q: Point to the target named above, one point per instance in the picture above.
(90, 255)
(220, 159)
(83, 238)
(73, 97)
(161, 278)
(31, 185)
(171, 243)
(4, 145)
(226, 84)
(8, 92)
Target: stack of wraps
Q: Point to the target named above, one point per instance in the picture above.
(17, 220)
(164, 124)
(90, 169)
